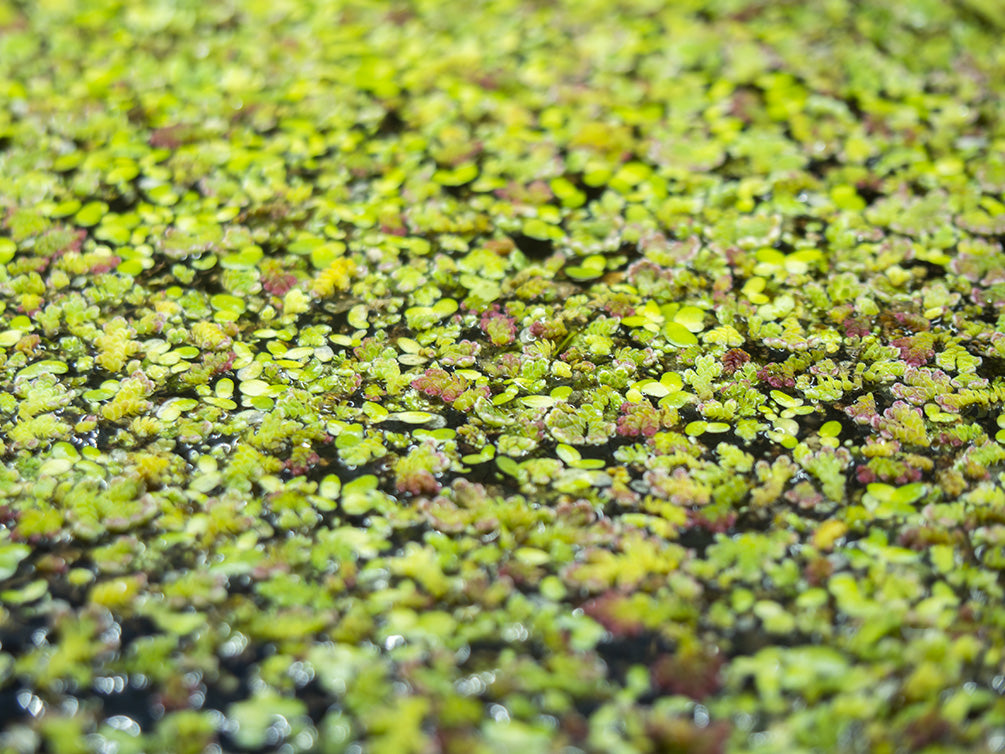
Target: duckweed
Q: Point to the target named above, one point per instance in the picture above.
(576, 376)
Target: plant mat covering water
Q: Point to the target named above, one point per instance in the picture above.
(407, 377)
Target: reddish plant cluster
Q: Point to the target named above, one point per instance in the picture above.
(438, 383)
(301, 463)
(713, 524)
(220, 363)
(775, 376)
(691, 672)
(105, 264)
(638, 419)
(278, 283)
(548, 330)
(733, 359)
(417, 482)
(499, 328)
(912, 351)
(855, 327)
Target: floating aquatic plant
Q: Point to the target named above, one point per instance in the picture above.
(616, 378)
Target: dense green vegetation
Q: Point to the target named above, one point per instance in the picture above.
(508, 376)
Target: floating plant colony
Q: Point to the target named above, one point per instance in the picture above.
(547, 377)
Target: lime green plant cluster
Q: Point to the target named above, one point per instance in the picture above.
(577, 376)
